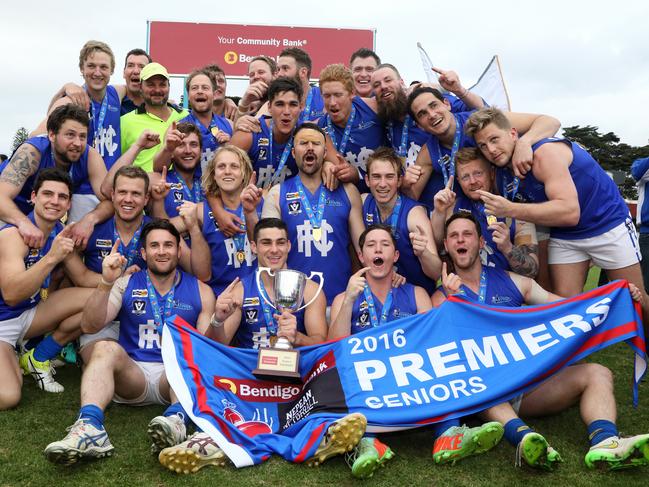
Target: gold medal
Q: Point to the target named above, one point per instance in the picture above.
(215, 131)
(273, 340)
(44, 294)
(317, 233)
(241, 256)
(491, 219)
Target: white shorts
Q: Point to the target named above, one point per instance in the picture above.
(153, 372)
(81, 204)
(109, 332)
(614, 249)
(14, 329)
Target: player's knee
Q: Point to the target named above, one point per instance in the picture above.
(598, 374)
(9, 397)
(105, 350)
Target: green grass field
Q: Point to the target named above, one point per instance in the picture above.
(42, 418)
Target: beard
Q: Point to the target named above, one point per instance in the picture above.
(394, 109)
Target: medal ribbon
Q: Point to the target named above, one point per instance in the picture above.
(483, 286)
(41, 254)
(130, 251)
(239, 239)
(98, 124)
(160, 316)
(402, 150)
(514, 183)
(448, 163)
(268, 314)
(314, 218)
(283, 159)
(348, 129)
(306, 113)
(385, 311)
(193, 195)
(394, 216)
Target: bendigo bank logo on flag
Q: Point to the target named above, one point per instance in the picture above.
(257, 390)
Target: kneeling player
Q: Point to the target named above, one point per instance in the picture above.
(24, 279)
(131, 371)
(241, 313)
(589, 384)
(371, 300)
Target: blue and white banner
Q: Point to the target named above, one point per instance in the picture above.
(452, 361)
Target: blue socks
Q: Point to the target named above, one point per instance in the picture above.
(176, 408)
(601, 429)
(515, 429)
(439, 428)
(93, 415)
(47, 349)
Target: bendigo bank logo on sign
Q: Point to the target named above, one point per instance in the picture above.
(258, 391)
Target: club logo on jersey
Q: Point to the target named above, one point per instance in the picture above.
(178, 196)
(294, 207)
(139, 293)
(100, 242)
(104, 253)
(139, 306)
(363, 319)
(254, 301)
(252, 315)
(292, 196)
(263, 141)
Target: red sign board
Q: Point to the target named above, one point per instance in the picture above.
(183, 46)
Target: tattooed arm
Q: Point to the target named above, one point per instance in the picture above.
(22, 165)
(523, 258)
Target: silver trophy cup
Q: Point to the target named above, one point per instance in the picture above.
(289, 292)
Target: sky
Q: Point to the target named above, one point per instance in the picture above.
(584, 62)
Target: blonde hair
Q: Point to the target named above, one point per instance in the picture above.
(480, 119)
(337, 72)
(91, 47)
(208, 182)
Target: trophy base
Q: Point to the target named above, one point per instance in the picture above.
(279, 365)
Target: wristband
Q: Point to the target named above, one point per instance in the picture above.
(214, 323)
(105, 285)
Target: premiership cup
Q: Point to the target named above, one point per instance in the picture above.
(281, 361)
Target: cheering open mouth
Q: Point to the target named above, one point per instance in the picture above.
(378, 261)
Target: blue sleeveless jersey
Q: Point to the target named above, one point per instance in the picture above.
(403, 304)
(208, 136)
(489, 255)
(366, 135)
(408, 264)
(313, 108)
(101, 242)
(78, 171)
(33, 255)
(407, 144)
(253, 330)
(329, 255)
(137, 331)
(225, 265)
(601, 205)
(259, 153)
(177, 195)
(440, 155)
(106, 139)
(501, 290)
